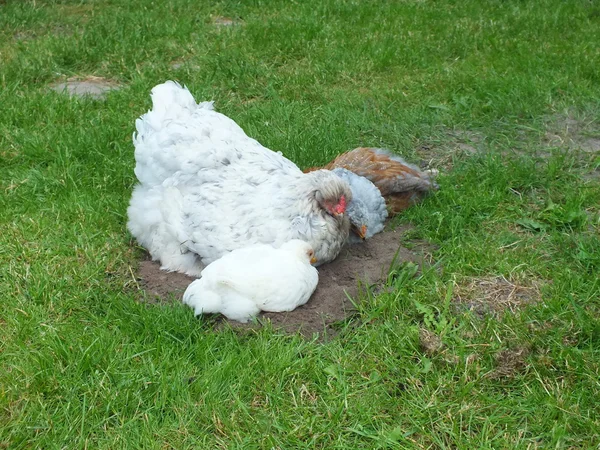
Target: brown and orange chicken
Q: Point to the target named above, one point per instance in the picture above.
(401, 184)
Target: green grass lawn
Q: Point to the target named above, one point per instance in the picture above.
(502, 96)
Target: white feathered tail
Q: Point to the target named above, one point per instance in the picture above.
(170, 102)
(205, 298)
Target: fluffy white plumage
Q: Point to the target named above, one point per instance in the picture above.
(253, 279)
(206, 188)
(367, 206)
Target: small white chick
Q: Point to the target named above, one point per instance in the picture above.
(257, 278)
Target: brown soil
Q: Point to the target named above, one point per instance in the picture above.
(510, 362)
(431, 344)
(339, 281)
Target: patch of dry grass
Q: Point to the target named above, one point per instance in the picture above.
(496, 295)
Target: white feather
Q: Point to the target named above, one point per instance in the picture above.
(253, 279)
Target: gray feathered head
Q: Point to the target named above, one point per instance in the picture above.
(358, 214)
(367, 210)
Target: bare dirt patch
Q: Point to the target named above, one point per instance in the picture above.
(440, 153)
(178, 64)
(188, 64)
(95, 87)
(510, 362)
(592, 176)
(578, 134)
(431, 344)
(160, 286)
(224, 22)
(365, 264)
(495, 295)
(56, 30)
(574, 133)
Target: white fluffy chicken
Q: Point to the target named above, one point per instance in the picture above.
(253, 279)
(367, 210)
(206, 188)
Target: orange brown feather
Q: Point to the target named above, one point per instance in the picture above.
(400, 183)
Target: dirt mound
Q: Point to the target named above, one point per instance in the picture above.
(339, 281)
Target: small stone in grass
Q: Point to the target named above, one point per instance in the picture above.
(95, 87)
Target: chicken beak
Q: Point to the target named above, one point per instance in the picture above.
(362, 232)
(313, 260)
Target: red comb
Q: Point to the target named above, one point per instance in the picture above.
(341, 206)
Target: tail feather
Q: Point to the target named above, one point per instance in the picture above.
(233, 305)
(171, 101)
(425, 180)
(202, 299)
(156, 154)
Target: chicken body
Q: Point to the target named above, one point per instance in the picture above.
(401, 183)
(206, 188)
(253, 279)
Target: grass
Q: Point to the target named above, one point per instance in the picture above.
(475, 87)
